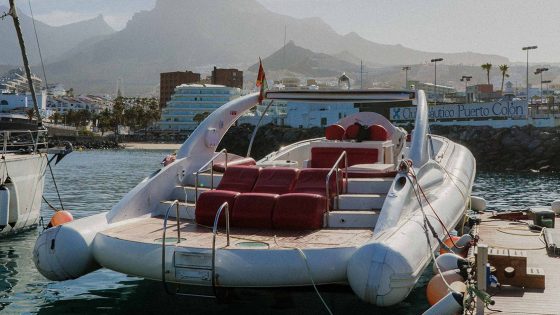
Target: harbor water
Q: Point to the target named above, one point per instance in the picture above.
(93, 181)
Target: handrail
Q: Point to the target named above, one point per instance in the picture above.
(176, 202)
(335, 166)
(224, 205)
(291, 146)
(14, 140)
(203, 168)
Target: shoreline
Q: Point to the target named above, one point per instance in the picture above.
(150, 146)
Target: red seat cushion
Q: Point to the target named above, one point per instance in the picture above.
(239, 178)
(378, 133)
(299, 211)
(352, 132)
(325, 157)
(334, 132)
(208, 203)
(221, 167)
(254, 210)
(314, 180)
(276, 180)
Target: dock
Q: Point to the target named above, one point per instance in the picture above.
(534, 286)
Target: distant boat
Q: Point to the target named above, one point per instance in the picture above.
(351, 208)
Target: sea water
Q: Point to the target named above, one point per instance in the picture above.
(93, 181)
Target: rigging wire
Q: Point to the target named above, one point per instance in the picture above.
(38, 46)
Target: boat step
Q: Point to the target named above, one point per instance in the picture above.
(369, 185)
(186, 210)
(353, 219)
(360, 201)
(193, 267)
(180, 192)
(205, 179)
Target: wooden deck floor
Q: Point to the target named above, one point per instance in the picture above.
(515, 300)
(150, 230)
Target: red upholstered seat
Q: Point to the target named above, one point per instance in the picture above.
(334, 132)
(378, 133)
(325, 157)
(313, 181)
(239, 178)
(352, 132)
(299, 211)
(254, 210)
(221, 167)
(208, 203)
(276, 180)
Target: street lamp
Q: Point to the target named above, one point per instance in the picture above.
(527, 48)
(435, 61)
(405, 69)
(540, 71)
(466, 78)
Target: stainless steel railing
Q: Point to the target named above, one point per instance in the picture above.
(336, 167)
(27, 141)
(225, 206)
(204, 169)
(163, 241)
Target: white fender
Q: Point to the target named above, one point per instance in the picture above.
(449, 261)
(555, 206)
(478, 203)
(65, 251)
(451, 304)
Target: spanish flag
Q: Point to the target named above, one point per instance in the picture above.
(261, 81)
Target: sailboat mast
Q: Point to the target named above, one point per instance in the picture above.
(14, 15)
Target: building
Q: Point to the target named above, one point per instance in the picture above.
(20, 103)
(438, 93)
(15, 81)
(191, 102)
(482, 93)
(307, 115)
(169, 80)
(228, 77)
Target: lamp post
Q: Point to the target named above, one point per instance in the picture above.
(435, 61)
(548, 91)
(540, 71)
(466, 78)
(405, 69)
(527, 48)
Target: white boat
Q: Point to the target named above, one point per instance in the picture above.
(22, 168)
(328, 210)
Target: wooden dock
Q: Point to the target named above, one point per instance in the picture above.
(514, 244)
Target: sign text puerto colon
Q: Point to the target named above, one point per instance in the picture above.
(465, 111)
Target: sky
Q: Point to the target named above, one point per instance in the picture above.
(499, 27)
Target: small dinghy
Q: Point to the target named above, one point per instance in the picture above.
(361, 206)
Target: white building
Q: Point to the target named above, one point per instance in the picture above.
(306, 114)
(189, 100)
(21, 102)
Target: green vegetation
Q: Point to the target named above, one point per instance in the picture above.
(487, 67)
(504, 69)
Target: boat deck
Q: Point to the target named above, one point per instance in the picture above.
(150, 230)
(503, 234)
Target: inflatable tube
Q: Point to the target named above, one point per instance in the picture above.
(65, 252)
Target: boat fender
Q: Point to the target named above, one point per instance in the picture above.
(437, 288)
(449, 261)
(478, 204)
(555, 206)
(452, 303)
(4, 206)
(60, 217)
(461, 244)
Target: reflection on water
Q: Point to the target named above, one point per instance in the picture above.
(93, 181)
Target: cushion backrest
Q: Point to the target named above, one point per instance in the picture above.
(334, 132)
(221, 167)
(325, 157)
(276, 180)
(378, 133)
(313, 181)
(239, 178)
(352, 132)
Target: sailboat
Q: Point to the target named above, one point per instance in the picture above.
(363, 206)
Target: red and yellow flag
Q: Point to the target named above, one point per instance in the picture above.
(261, 81)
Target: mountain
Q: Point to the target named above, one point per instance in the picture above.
(55, 40)
(305, 62)
(196, 35)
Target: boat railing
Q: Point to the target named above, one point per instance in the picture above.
(342, 156)
(164, 238)
(23, 141)
(204, 169)
(225, 206)
(291, 146)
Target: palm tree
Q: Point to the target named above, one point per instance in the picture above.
(504, 69)
(487, 66)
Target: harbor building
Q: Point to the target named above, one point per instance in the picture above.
(169, 80)
(438, 93)
(190, 103)
(11, 102)
(307, 115)
(228, 77)
(15, 81)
